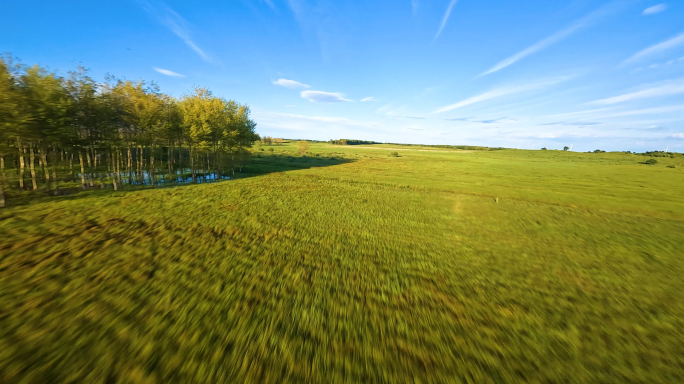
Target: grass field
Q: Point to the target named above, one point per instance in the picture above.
(348, 265)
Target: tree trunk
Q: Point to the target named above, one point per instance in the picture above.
(129, 168)
(3, 180)
(192, 164)
(180, 156)
(96, 175)
(152, 165)
(54, 167)
(90, 176)
(80, 160)
(32, 167)
(170, 160)
(22, 164)
(2, 194)
(46, 169)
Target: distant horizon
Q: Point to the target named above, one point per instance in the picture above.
(605, 74)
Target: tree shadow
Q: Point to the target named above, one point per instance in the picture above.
(257, 165)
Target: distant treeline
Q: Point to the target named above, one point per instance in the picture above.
(56, 129)
(351, 142)
(462, 147)
(659, 154)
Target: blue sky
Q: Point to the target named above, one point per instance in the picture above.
(526, 73)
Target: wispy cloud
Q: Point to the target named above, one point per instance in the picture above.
(655, 9)
(270, 3)
(167, 72)
(369, 98)
(658, 48)
(445, 18)
(674, 88)
(574, 123)
(177, 24)
(457, 118)
(586, 21)
(290, 84)
(500, 92)
(647, 111)
(323, 97)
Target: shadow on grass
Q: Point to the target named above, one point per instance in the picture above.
(257, 165)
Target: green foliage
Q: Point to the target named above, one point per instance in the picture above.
(48, 122)
(302, 146)
(352, 142)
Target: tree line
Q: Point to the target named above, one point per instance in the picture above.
(73, 130)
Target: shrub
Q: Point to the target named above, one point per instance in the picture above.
(303, 146)
(651, 161)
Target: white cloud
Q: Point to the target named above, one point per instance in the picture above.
(290, 84)
(655, 9)
(675, 88)
(369, 98)
(323, 97)
(446, 17)
(167, 72)
(499, 92)
(556, 37)
(658, 48)
(177, 24)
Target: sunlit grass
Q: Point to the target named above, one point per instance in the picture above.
(354, 266)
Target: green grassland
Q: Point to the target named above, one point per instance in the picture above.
(348, 265)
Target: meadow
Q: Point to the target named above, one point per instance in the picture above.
(350, 265)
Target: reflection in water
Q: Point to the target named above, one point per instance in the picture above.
(144, 178)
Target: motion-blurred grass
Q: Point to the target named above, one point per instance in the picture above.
(435, 266)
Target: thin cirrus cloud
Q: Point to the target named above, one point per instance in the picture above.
(323, 97)
(445, 18)
(290, 84)
(269, 3)
(675, 88)
(167, 72)
(586, 21)
(177, 24)
(655, 9)
(658, 48)
(500, 92)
